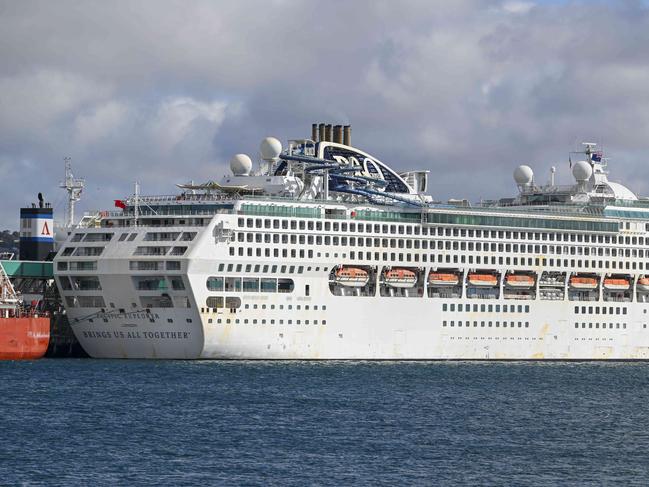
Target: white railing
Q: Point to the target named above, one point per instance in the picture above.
(9, 299)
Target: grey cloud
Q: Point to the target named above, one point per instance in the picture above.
(165, 92)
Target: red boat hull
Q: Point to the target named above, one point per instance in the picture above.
(24, 338)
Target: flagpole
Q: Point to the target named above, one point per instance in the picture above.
(136, 204)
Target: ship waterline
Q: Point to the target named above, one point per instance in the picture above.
(327, 253)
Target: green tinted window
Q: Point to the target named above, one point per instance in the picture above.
(278, 210)
(521, 222)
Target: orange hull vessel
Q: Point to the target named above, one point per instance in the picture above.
(24, 338)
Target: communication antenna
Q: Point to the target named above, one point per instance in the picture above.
(553, 171)
(74, 187)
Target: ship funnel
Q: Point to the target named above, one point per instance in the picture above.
(326, 132)
(347, 135)
(338, 134)
(36, 231)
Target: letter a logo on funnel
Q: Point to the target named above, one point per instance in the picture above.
(46, 229)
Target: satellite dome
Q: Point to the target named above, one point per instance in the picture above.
(241, 165)
(270, 148)
(523, 175)
(582, 171)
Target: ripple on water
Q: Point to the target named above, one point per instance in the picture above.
(278, 423)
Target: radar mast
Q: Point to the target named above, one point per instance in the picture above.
(74, 187)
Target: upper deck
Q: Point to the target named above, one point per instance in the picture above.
(329, 179)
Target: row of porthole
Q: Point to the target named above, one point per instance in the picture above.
(597, 339)
(264, 321)
(440, 247)
(498, 338)
(610, 325)
(529, 338)
(298, 307)
(596, 310)
(415, 255)
(489, 324)
(390, 230)
(441, 258)
(489, 308)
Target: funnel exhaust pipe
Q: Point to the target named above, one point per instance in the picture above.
(338, 134)
(347, 135)
(326, 132)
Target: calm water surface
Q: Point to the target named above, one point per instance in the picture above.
(299, 423)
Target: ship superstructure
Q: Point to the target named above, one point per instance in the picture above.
(325, 252)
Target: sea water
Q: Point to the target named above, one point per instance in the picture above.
(95, 422)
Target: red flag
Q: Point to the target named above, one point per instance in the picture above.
(120, 204)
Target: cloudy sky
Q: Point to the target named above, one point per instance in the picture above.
(167, 91)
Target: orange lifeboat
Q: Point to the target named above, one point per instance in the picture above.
(483, 280)
(616, 283)
(579, 282)
(402, 278)
(519, 280)
(443, 279)
(643, 284)
(351, 277)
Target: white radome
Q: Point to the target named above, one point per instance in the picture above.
(241, 165)
(582, 171)
(523, 175)
(270, 148)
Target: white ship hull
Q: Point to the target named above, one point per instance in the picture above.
(375, 335)
(321, 325)
(130, 336)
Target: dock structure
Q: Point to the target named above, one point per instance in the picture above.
(26, 269)
(34, 282)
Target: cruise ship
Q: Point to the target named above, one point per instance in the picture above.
(321, 251)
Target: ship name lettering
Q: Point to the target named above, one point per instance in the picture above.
(173, 335)
(96, 334)
(166, 334)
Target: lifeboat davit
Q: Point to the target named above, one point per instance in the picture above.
(443, 279)
(643, 284)
(519, 280)
(483, 280)
(578, 282)
(402, 278)
(351, 277)
(616, 283)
